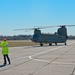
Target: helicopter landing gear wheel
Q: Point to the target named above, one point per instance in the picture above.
(50, 44)
(65, 44)
(41, 44)
(55, 43)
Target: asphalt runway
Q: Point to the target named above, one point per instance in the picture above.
(36, 60)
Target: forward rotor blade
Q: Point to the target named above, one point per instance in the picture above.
(24, 29)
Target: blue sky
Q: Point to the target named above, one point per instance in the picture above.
(16, 14)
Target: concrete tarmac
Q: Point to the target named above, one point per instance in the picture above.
(36, 60)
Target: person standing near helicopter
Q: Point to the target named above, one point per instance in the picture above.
(5, 51)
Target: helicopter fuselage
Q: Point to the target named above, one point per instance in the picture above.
(49, 38)
(59, 37)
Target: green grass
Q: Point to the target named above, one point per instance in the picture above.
(20, 43)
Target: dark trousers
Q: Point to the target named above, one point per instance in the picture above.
(6, 57)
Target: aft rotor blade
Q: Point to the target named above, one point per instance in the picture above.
(69, 25)
(55, 26)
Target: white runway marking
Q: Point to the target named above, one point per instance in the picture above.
(39, 59)
(63, 63)
(31, 57)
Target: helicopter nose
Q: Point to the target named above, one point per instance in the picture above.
(33, 40)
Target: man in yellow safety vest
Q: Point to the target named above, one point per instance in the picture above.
(5, 51)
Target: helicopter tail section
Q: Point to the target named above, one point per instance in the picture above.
(62, 31)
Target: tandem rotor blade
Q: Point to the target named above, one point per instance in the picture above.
(43, 27)
(24, 29)
(69, 25)
(56, 26)
(34, 28)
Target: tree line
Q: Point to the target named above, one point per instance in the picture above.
(71, 37)
(17, 37)
(25, 37)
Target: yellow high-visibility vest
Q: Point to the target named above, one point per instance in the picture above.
(5, 49)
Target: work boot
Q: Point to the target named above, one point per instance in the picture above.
(9, 63)
(4, 64)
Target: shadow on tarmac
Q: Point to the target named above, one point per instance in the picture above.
(2, 65)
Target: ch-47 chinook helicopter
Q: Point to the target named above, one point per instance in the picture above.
(58, 37)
